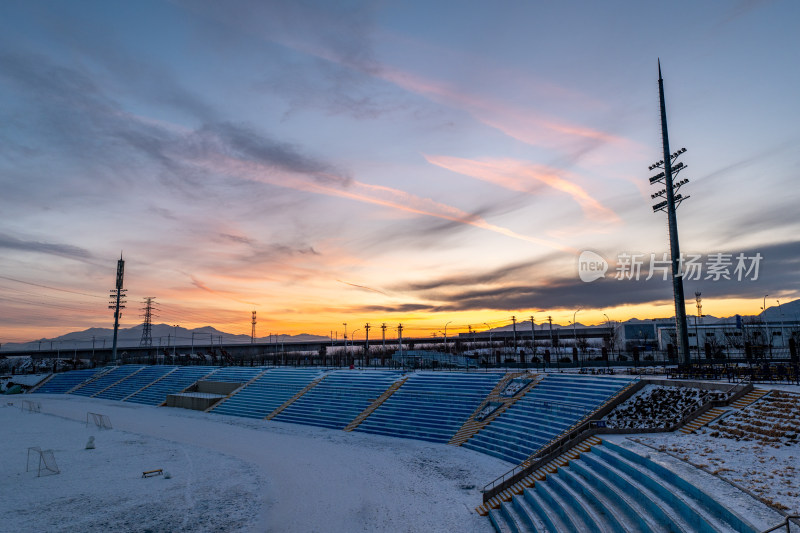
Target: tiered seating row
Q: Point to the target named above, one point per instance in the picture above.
(267, 393)
(176, 381)
(613, 488)
(61, 383)
(135, 382)
(339, 398)
(549, 408)
(235, 374)
(431, 406)
(106, 380)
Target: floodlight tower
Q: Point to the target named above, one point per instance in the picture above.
(671, 200)
(117, 303)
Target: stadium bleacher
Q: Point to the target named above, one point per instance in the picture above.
(553, 405)
(431, 406)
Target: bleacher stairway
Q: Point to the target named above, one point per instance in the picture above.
(619, 488)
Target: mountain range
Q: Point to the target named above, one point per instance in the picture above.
(164, 335)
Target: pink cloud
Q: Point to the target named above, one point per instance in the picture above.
(521, 176)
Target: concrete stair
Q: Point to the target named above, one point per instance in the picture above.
(613, 399)
(226, 398)
(294, 398)
(702, 420)
(539, 474)
(131, 395)
(94, 378)
(473, 426)
(751, 397)
(374, 405)
(120, 380)
(620, 488)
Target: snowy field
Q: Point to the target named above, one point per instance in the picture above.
(757, 448)
(228, 474)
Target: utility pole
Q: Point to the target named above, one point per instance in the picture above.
(550, 319)
(253, 329)
(400, 342)
(366, 343)
(147, 325)
(514, 327)
(699, 303)
(671, 201)
(383, 336)
(533, 336)
(117, 303)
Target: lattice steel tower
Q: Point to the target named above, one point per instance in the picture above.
(147, 325)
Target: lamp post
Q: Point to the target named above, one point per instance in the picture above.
(175, 343)
(446, 346)
(610, 337)
(352, 341)
(575, 336)
(491, 346)
(780, 310)
(766, 324)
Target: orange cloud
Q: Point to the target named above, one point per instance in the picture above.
(363, 192)
(520, 176)
(521, 124)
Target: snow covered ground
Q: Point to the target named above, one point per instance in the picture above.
(228, 474)
(660, 406)
(756, 448)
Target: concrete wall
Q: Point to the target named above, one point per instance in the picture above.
(216, 387)
(191, 402)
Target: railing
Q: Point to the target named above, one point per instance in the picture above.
(787, 522)
(559, 444)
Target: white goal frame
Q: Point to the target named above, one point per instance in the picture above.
(100, 420)
(46, 463)
(31, 406)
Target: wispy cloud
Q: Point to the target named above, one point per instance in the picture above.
(363, 287)
(523, 177)
(227, 152)
(63, 250)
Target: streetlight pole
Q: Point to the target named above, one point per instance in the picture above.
(610, 337)
(491, 346)
(175, 344)
(352, 342)
(446, 346)
(575, 335)
(345, 340)
(766, 324)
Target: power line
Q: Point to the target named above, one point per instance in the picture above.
(51, 288)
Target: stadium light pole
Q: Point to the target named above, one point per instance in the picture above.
(670, 201)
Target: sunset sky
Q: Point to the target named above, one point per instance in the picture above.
(415, 162)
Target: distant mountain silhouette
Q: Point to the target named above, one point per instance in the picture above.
(162, 334)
